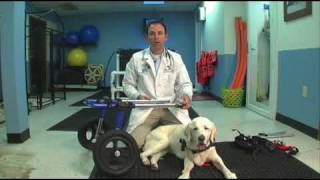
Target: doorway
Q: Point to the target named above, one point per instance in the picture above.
(262, 57)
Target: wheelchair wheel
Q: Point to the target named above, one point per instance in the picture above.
(86, 134)
(115, 153)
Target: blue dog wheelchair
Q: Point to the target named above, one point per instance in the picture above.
(114, 150)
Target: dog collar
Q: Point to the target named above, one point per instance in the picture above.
(184, 146)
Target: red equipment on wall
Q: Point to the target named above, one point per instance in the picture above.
(205, 66)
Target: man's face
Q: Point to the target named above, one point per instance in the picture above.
(156, 37)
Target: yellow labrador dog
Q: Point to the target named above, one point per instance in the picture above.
(193, 142)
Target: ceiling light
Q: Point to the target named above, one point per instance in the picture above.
(202, 13)
(153, 2)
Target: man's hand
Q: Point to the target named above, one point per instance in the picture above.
(186, 102)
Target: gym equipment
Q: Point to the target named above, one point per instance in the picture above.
(77, 57)
(253, 144)
(72, 38)
(122, 58)
(232, 97)
(114, 151)
(89, 34)
(93, 73)
(41, 79)
(205, 66)
(279, 134)
(241, 45)
(290, 150)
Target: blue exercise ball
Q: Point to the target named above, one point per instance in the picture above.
(72, 38)
(89, 34)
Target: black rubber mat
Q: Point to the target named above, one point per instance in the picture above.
(98, 95)
(85, 115)
(203, 97)
(267, 165)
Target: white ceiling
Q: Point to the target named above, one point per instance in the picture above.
(84, 7)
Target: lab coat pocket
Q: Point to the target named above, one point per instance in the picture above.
(167, 79)
(144, 78)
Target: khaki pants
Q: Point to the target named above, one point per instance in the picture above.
(158, 116)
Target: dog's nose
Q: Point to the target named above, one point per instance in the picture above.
(201, 138)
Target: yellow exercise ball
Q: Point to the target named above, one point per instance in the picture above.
(77, 57)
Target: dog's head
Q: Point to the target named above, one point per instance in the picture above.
(199, 132)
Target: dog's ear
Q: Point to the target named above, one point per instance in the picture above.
(187, 132)
(213, 132)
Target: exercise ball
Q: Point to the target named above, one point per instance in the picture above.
(72, 38)
(89, 34)
(77, 57)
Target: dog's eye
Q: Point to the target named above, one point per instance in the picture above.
(195, 128)
(206, 128)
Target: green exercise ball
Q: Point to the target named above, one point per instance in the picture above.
(77, 57)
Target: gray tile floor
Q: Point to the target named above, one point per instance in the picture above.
(58, 154)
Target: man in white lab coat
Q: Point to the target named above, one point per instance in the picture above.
(156, 73)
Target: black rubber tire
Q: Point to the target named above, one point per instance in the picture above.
(106, 159)
(85, 141)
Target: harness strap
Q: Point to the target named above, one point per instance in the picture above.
(184, 146)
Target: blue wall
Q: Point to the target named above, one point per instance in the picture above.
(125, 30)
(297, 68)
(223, 73)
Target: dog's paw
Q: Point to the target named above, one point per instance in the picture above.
(231, 175)
(184, 176)
(154, 166)
(145, 160)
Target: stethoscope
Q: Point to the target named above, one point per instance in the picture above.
(169, 62)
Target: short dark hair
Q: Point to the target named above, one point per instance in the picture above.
(156, 21)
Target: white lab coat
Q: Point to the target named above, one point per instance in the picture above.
(169, 83)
